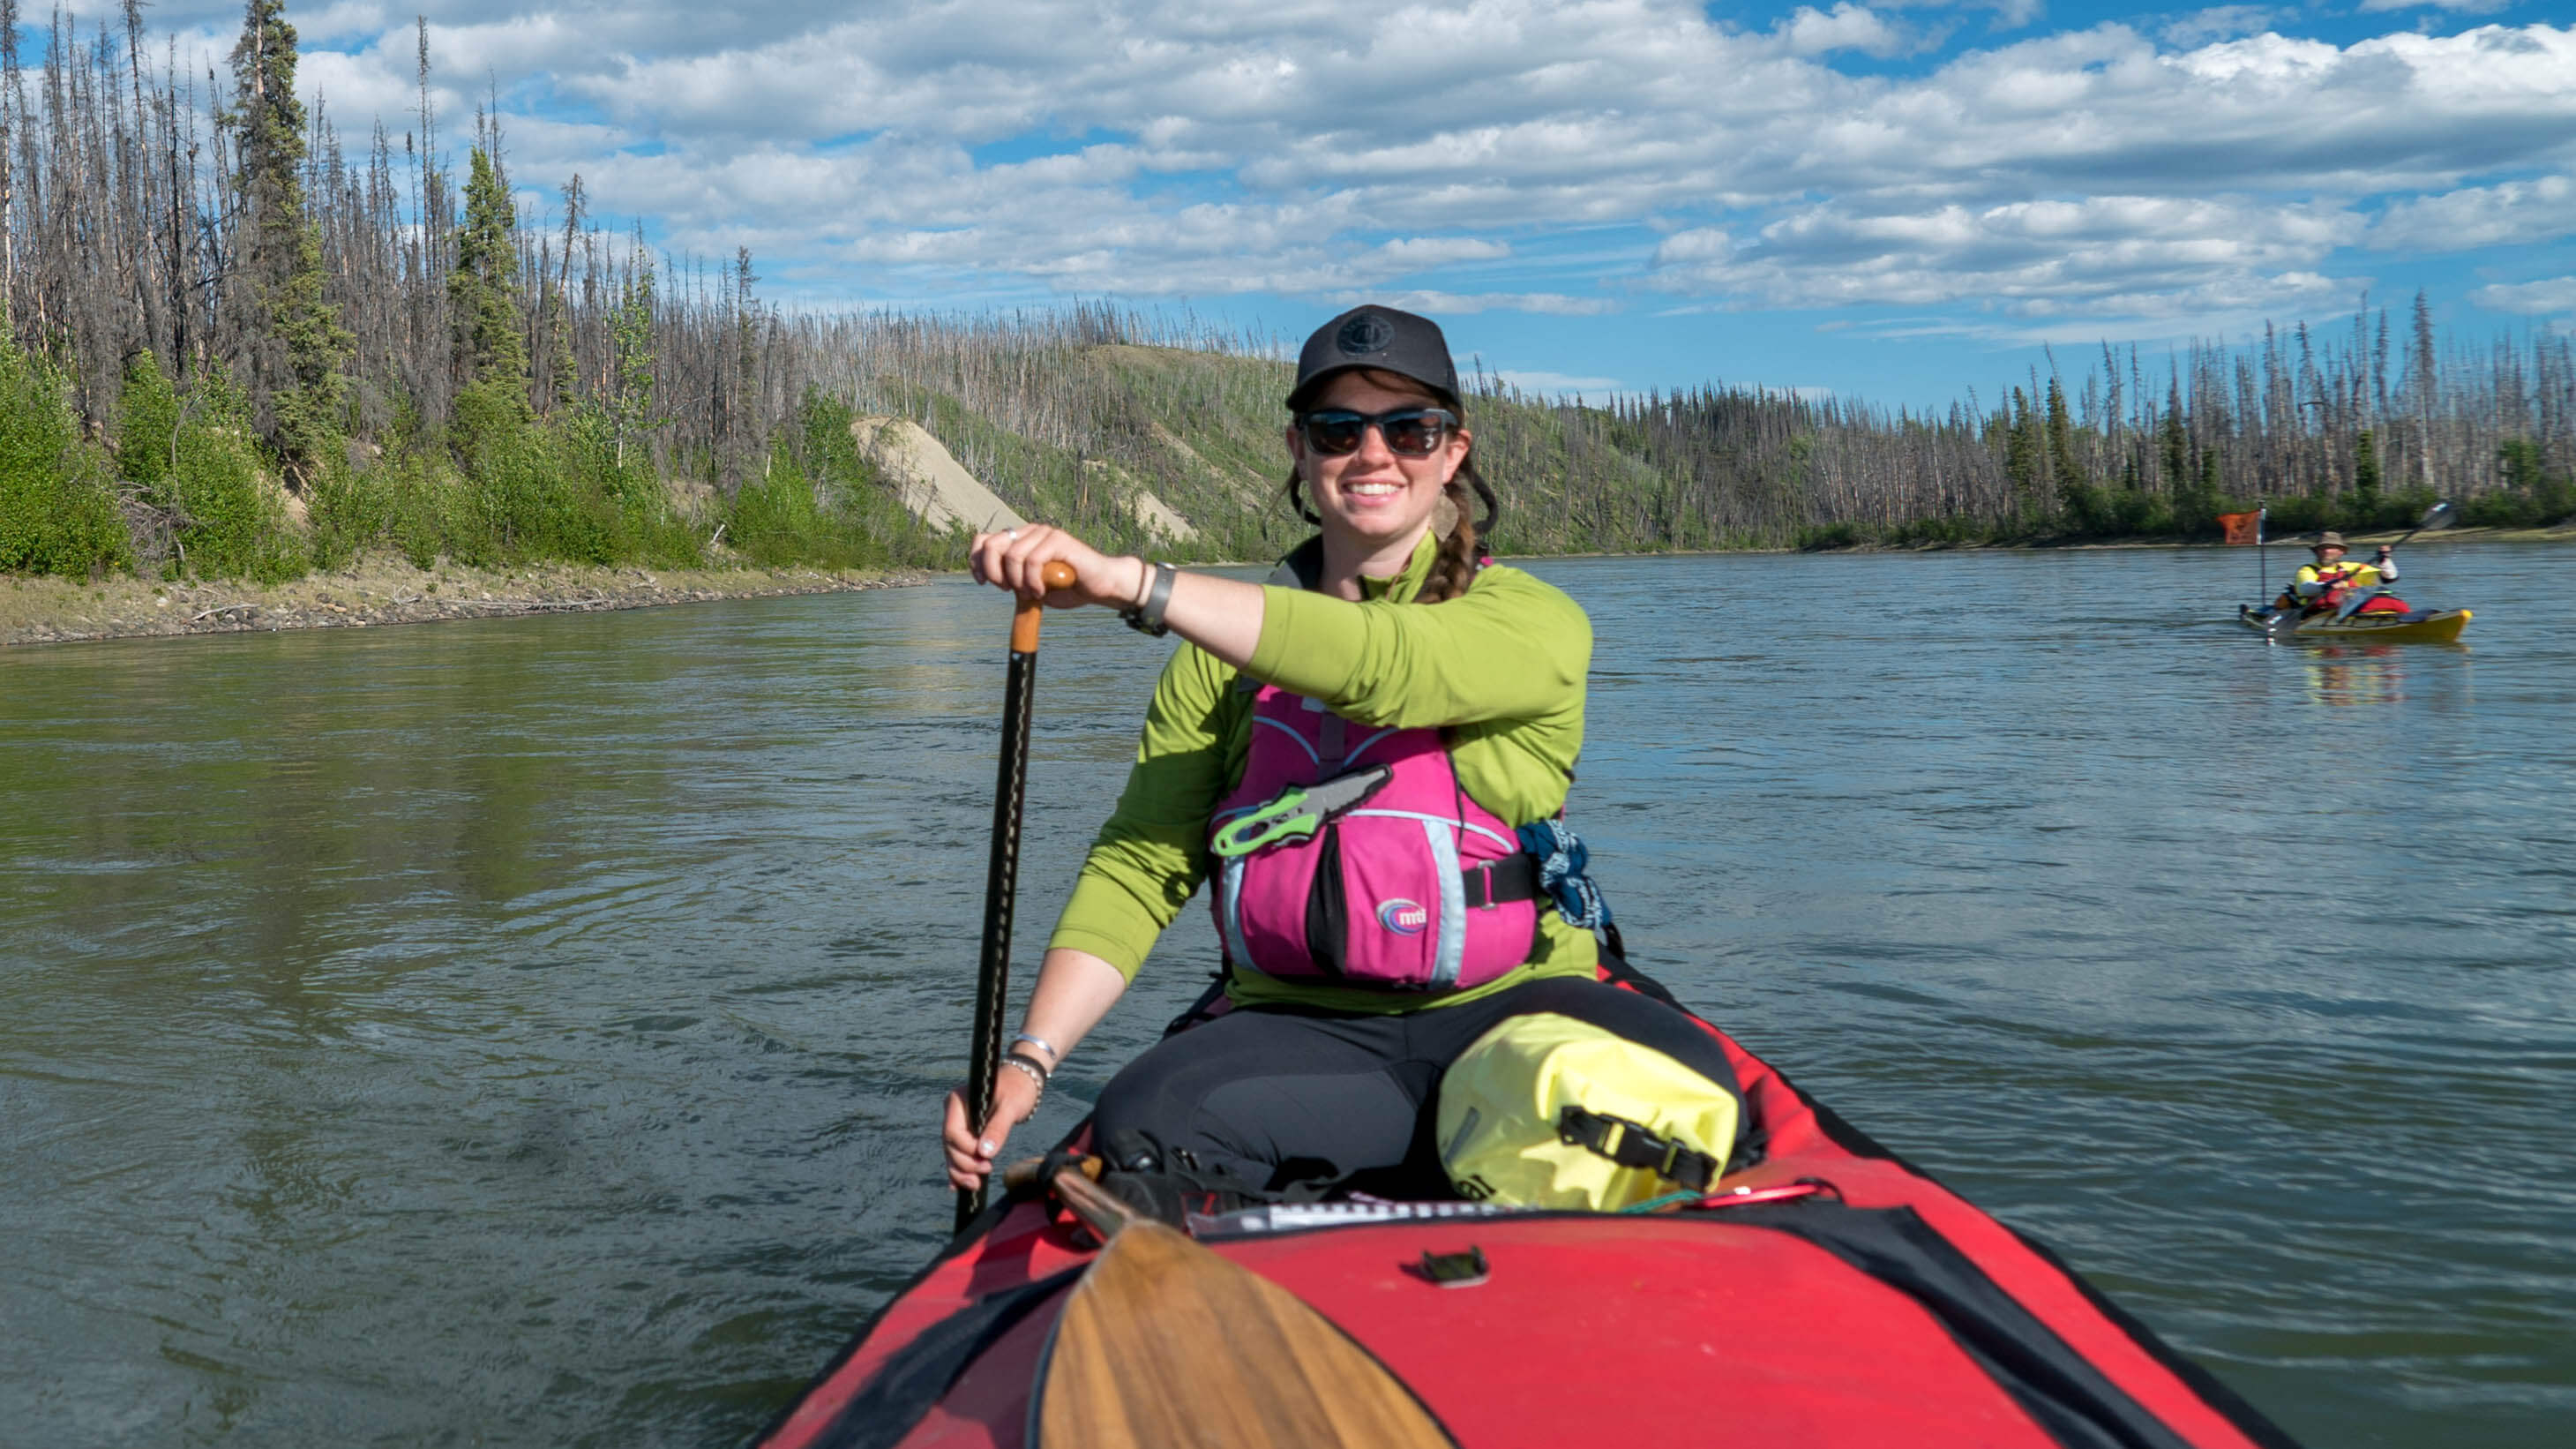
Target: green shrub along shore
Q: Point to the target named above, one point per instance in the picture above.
(2546, 503)
(185, 490)
(2532, 497)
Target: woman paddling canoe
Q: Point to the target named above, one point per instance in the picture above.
(1821, 1292)
(1352, 750)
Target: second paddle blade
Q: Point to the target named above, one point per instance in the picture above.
(1166, 1345)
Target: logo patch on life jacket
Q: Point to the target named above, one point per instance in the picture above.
(1403, 917)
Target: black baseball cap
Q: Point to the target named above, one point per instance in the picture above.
(1379, 337)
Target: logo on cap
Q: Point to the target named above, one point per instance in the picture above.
(1365, 333)
(1403, 917)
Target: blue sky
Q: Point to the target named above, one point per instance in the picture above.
(1895, 201)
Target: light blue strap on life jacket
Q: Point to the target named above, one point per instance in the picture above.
(1561, 862)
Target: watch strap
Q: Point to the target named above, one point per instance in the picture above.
(1147, 617)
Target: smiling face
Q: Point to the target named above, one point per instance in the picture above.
(1376, 504)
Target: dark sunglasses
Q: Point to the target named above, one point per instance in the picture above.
(1409, 432)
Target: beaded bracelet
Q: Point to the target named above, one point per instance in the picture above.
(1037, 1072)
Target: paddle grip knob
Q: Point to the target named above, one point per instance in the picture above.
(1024, 619)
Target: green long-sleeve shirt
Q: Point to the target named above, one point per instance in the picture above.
(1503, 668)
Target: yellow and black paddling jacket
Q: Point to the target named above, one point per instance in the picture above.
(2317, 580)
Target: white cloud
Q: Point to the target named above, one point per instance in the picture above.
(2467, 7)
(2223, 22)
(2099, 256)
(2556, 295)
(1810, 31)
(1433, 251)
(1457, 303)
(2009, 14)
(2507, 214)
(1558, 384)
(1454, 149)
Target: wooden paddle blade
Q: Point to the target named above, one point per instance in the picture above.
(1165, 1345)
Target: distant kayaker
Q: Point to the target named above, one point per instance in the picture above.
(1351, 750)
(2326, 583)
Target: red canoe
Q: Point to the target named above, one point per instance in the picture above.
(1829, 1294)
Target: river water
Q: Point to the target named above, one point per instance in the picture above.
(529, 1032)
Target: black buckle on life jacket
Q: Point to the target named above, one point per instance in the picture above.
(1497, 882)
(1633, 1144)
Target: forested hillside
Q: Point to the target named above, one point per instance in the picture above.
(240, 342)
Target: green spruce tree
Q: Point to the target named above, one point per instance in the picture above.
(293, 345)
(2174, 441)
(2021, 451)
(562, 370)
(491, 342)
(2074, 489)
(629, 400)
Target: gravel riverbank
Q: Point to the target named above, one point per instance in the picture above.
(380, 592)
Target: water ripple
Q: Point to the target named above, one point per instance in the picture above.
(529, 1031)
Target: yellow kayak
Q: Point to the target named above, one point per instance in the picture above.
(2416, 626)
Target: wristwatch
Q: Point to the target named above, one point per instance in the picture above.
(1147, 617)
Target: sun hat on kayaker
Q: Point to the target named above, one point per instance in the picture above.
(2328, 539)
(1379, 338)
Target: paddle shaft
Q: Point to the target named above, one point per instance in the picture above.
(2437, 516)
(1002, 871)
(1089, 1201)
(2401, 538)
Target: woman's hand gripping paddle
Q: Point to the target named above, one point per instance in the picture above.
(1166, 1345)
(1002, 871)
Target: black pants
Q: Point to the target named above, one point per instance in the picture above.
(1270, 1096)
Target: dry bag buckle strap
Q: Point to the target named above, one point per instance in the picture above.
(1297, 812)
(1633, 1144)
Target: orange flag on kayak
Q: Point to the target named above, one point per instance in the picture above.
(2242, 527)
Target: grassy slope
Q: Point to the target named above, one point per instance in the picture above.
(1201, 431)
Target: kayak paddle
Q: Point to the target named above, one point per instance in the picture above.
(2440, 515)
(1164, 1344)
(1002, 870)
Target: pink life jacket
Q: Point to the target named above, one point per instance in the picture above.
(1417, 888)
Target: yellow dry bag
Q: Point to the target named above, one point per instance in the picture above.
(1549, 1112)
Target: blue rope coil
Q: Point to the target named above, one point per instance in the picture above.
(1562, 861)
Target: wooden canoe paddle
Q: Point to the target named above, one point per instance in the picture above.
(1164, 1344)
(1002, 869)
